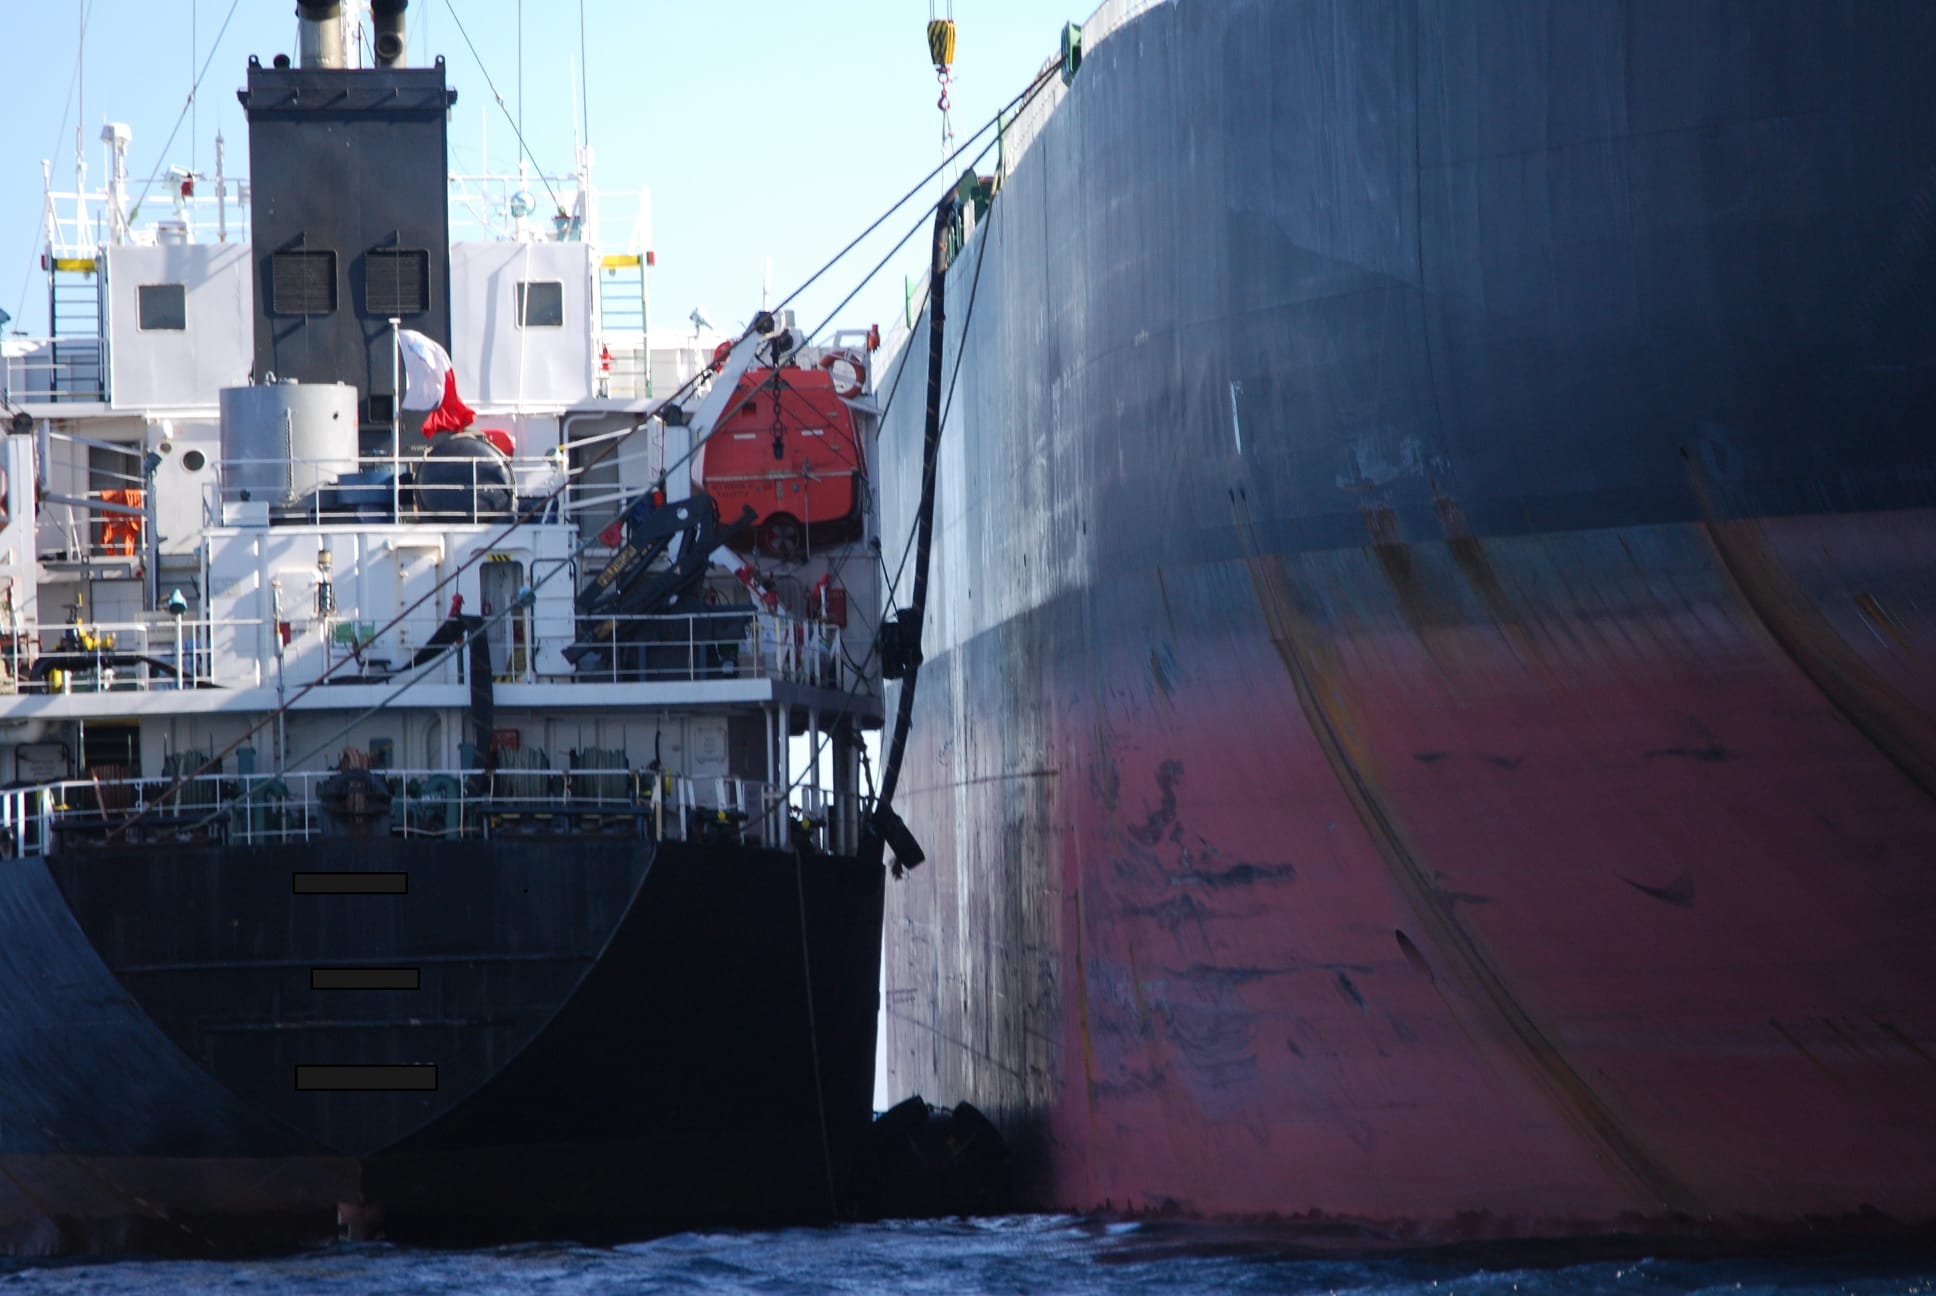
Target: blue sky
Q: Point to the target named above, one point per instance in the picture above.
(764, 129)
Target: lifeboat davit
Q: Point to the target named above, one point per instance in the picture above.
(789, 449)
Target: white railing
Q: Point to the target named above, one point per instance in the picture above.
(165, 654)
(62, 370)
(265, 809)
(726, 643)
(79, 223)
(316, 491)
(483, 208)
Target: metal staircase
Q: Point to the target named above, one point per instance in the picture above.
(624, 367)
(74, 317)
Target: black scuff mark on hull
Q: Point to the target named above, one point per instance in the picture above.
(1157, 674)
(1679, 892)
(1226, 975)
(1349, 989)
(1493, 759)
(1163, 591)
(1172, 915)
(1130, 1084)
(1805, 1051)
(1415, 957)
(1184, 914)
(1240, 875)
(1162, 819)
(1215, 1038)
(1896, 1034)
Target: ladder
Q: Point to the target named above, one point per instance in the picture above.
(625, 370)
(74, 322)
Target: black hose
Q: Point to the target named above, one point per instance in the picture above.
(885, 827)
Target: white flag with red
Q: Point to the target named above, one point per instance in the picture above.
(430, 383)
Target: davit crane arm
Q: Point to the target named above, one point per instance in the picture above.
(687, 533)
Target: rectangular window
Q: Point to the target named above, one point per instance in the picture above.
(302, 283)
(541, 304)
(162, 306)
(396, 282)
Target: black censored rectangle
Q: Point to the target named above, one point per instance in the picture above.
(351, 883)
(364, 978)
(413, 1078)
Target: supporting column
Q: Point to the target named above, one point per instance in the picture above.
(813, 798)
(780, 834)
(768, 714)
(844, 818)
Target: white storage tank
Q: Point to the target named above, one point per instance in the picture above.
(286, 440)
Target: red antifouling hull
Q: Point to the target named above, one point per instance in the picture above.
(1563, 883)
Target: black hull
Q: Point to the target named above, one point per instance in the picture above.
(623, 1035)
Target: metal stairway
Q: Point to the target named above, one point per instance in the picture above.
(74, 318)
(624, 370)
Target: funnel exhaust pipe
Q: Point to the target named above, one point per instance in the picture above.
(388, 16)
(319, 33)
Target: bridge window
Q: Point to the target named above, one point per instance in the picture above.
(541, 304)
(162, 306)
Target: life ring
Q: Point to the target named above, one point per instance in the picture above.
(852, 361)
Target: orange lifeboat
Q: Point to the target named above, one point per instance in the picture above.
(789, 449)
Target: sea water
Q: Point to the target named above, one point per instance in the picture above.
(1036, 1253)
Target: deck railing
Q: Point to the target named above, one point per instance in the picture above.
(159, 655)
(54, 370)
(76, 815)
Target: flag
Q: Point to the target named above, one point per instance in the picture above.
(431, 384)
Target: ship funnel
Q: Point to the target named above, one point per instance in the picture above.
(389, 31)
(319, 35)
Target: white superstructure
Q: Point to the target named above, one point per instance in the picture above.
(176, 601)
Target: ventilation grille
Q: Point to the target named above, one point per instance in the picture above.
(303, 283)
(396, 282)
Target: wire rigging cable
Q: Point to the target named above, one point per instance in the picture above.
(67, 110)
(135, 210)
(516, 127)
(1034, 88)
